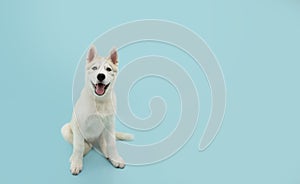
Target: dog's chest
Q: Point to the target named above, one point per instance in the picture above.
(104, 109)
(94, 125)
(94, 116)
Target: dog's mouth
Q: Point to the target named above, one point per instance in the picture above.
(100, 88)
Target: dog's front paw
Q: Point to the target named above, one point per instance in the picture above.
(117, 162)
(76, 166)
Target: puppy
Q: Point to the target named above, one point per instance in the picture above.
(92, 123)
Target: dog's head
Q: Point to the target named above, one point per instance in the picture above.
(101, 72)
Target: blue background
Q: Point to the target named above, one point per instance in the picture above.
(256, 42)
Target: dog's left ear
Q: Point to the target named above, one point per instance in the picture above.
(114, 56)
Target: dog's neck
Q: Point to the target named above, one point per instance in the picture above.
(104, 105)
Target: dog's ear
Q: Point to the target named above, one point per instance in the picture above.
(114, 56)
(92, 53)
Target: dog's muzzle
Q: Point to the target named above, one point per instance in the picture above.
(100, 88)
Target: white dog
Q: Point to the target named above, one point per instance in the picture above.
(92, 123)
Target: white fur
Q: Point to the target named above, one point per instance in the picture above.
(92, 123)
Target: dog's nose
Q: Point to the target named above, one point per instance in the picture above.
(100, 76)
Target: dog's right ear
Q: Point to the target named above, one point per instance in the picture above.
(92, 54)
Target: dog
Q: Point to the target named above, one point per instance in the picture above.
(92, 124)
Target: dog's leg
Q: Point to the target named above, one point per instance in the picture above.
(76, 158)
(112, 153)
(67, 134)
(102, 143)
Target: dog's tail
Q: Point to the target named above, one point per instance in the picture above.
(124, 136)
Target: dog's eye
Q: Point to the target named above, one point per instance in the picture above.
(108, 69)
(94, 68)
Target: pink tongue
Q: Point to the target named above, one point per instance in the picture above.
(100, 89)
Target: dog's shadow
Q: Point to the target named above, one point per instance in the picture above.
(97, 166)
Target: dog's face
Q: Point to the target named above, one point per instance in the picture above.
(101, 72)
